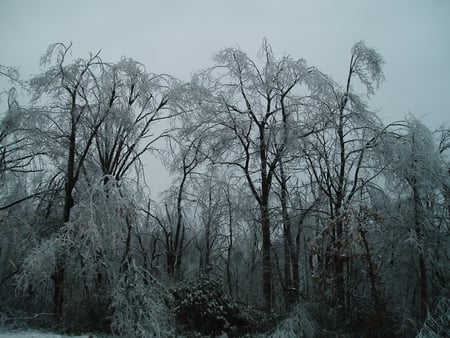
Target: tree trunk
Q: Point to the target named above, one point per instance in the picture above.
(339, 222)
(296, 266)
(289, 293)
(230, 246)
(377, 318)
(339, 271)
(422, 266)
(419, 229)
(267, 267)
(59, 274)
(127, 252)
(58, 291)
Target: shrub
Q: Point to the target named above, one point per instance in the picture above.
(298, 324)
(438, 325)
(205, 308)
(139, 307)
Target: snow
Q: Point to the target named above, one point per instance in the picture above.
(35, 334)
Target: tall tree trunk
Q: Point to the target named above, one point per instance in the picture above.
(263, 200)
(422, 266)
(339, 223)
(230, 245)
(267, 267)
(339, 271)
(377, 318)
(418, 229)
(289, 256)
(59, 274)
(296, 266)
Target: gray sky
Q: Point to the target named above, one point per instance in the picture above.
(179, 37)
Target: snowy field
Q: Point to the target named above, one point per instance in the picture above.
(36, 334)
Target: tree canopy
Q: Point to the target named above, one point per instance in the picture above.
(293, 209)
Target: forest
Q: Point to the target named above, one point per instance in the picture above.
(292, 210)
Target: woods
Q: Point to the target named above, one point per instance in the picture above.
(293, 209)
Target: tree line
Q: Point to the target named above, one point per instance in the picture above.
(289, 195)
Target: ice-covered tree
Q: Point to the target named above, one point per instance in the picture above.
(236, 109)
(94, 121)
(342, 162)
(419, 176)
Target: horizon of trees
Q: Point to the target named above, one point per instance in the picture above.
(289, 194)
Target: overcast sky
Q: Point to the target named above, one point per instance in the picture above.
(179, 37)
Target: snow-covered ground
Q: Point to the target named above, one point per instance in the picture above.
(36, 334)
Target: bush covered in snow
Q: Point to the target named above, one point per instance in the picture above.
(204, 307)
(437, 325)
(138, 303)
(298, 324)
